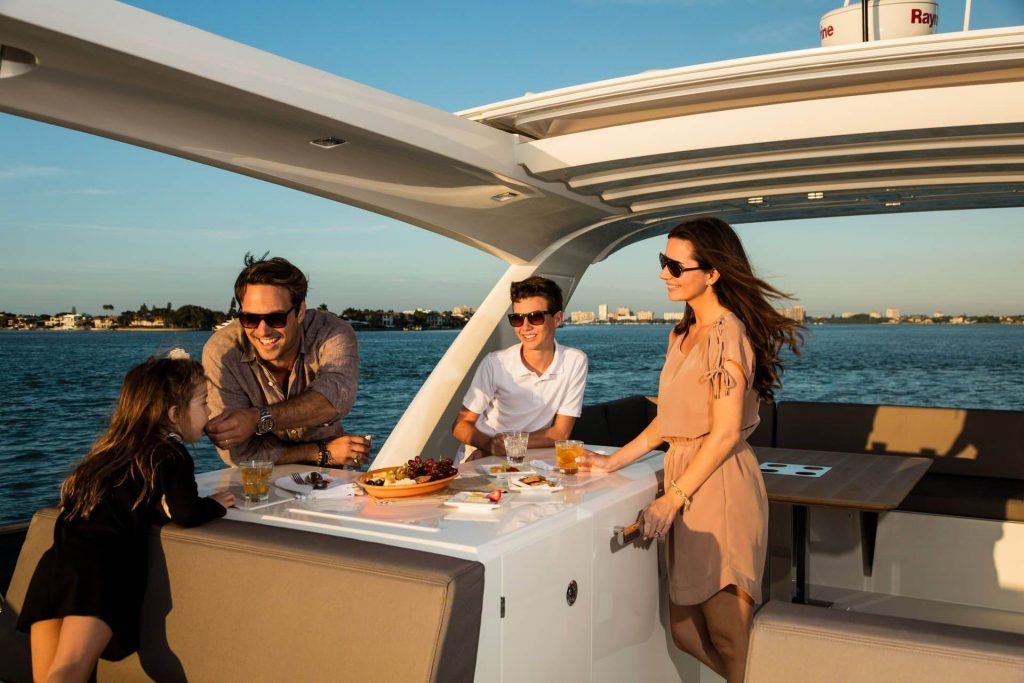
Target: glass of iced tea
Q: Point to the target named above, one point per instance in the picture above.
(255, 476)
(566, 453)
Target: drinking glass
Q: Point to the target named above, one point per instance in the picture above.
(566, 453)
(515, 446)
(255, 476)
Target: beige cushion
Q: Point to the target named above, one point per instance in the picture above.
(804, 644)
(978, 443)
(236, 601)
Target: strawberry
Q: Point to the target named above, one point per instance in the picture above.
(494, 496)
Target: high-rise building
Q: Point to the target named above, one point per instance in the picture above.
(581, 317)
(623, 312)
(645, 316)
(892, 313)
(602, 311)
(672, 316)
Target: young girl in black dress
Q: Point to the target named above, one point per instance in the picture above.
(86, 593)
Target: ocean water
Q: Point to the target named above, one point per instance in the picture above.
(59, 387)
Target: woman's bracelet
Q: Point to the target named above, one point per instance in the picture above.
(687, 501)
(324, 452)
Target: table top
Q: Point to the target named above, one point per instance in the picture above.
(858, 481)
(426, 523)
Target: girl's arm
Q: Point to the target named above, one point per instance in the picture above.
(644, 443)
(180, 499)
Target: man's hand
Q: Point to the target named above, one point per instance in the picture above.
(234, 427)
(497, 445)
(351, 450)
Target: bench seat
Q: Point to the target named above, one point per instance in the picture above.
(808, 644)
(616, 423)
(237, 601)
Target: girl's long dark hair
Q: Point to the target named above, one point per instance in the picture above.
(716, 245)
(138, 427)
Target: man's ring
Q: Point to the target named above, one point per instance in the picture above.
(658, 534)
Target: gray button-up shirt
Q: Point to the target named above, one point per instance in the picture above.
(327, 363)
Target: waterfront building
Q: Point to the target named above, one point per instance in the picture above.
(151, 322)
(672, 316)
(847, 314)
(463, 311)
(602, 312)
(892, 313)
(645, 316)
(938, 314)
(623, 312)
(581, 317)
(875, 315)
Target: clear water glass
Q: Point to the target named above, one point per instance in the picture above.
(515, 446)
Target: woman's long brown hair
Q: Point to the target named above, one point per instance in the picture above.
(716, 245)
(129, 448)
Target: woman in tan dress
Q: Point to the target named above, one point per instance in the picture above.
(722, 360)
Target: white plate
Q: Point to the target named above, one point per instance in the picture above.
(524, 469)
(289, 484)
(516, 484)
(474, 500)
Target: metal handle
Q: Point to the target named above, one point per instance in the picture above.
(625, 534)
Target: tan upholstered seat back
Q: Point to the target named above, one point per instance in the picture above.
(236, 601)
(804, 644)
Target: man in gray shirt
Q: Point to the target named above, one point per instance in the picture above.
(282, 377)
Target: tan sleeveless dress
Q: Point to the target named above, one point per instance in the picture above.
(722, 539)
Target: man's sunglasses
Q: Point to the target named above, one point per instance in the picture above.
(675, 268)
(535, 318)
(277, 319)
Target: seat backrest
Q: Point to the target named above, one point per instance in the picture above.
(982, 443)
(231, 600)
(804, 644)
(616, 423)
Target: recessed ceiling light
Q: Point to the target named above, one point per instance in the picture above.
(755, 200)
(505, 196)
(15, 62)
(894, 203)
(815, 195)
(327, 143)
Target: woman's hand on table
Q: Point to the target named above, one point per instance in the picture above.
(598, 462)
(659, 516)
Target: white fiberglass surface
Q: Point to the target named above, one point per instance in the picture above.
(431, 525)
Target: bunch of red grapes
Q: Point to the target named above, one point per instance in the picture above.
(435, 469)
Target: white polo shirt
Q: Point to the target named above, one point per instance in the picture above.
(509, 396)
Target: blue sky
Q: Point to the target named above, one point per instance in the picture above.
(85, 221)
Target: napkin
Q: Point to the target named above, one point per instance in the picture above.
(541, 465)
(336, 489)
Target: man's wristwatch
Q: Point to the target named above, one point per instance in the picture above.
(266, 422)
(325, 453)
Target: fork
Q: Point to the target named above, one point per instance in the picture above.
(297, 478)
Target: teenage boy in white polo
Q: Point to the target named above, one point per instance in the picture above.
(535, 386)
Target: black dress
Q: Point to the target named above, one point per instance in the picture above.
(97, 566)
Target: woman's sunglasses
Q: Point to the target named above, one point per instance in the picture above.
(277, 319)
(535, 318)
(675, 268)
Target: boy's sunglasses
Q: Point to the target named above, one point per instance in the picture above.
(277, 319)
(675, 268)
(535, 318)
